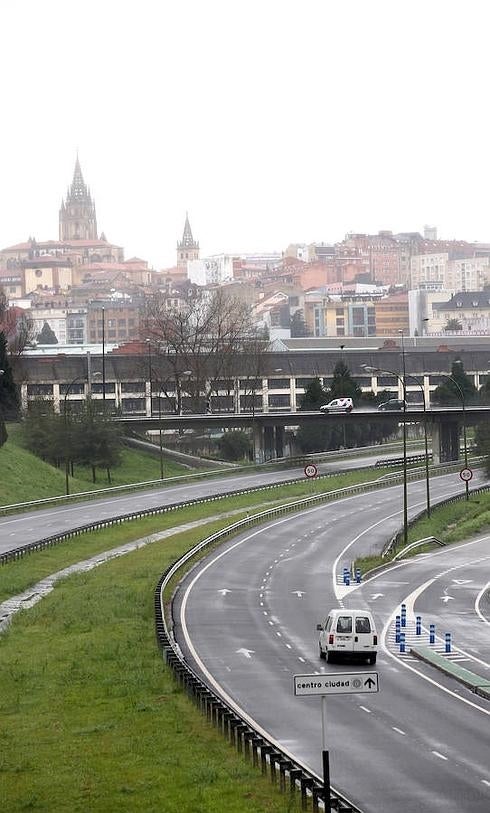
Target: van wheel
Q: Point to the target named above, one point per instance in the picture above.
(323, 654)
(372, 658)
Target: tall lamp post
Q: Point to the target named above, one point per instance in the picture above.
(103, 358)
(148, 344)
(424, 403)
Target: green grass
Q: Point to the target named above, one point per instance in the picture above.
(450, 523)
(92, 719)
(26, 477)
(22, 574)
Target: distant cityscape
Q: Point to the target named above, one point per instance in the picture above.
(364, 286)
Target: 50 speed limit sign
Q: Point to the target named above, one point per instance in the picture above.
(466, 475)
(310, 470)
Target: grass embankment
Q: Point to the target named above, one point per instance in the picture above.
(92, 719)
(450, 523)
(25, 477)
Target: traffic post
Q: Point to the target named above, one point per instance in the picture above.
(323, 685)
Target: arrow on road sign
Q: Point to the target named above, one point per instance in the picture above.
(298, 593)
(224, 591)
(376, 595)
(247, 652)
(370, 683)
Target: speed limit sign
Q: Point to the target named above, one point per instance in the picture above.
(466, 474)
(311, 470)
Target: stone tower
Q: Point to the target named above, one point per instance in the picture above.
(78, 220)
(187, 248)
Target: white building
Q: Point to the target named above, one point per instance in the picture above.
(211, 270)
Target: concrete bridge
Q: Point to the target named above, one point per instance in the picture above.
(444, 424)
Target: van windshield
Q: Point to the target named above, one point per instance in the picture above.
(362, 624)
(344, 623)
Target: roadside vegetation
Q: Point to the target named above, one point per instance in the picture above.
(450, 523)
(92, 719)
(26, 477)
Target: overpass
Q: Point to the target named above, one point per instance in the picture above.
(445, 424)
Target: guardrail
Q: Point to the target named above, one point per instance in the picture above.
(399, 461)
(425, 541)
(282, 461)
(326, 496)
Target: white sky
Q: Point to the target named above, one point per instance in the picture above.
(271, 122)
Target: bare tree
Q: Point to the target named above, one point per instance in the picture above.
(202, 342)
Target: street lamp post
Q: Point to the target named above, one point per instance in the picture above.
(148, 343)
(424, 406)
(103, 358)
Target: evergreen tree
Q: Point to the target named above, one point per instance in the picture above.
(9, 397)
(449, 392)
(315, 395)
(343, 385)
(47, 335)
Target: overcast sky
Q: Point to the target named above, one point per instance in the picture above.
(271, 122)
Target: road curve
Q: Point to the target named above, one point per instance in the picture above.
(247, 618)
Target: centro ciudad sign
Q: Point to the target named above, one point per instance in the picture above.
(347, 683)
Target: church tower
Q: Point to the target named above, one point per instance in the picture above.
(78, 220)
(187, 248)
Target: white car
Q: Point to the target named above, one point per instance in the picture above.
(348, 633)
(338, 405)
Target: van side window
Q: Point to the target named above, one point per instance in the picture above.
(362, 624)
(328, 623)
(344, 624)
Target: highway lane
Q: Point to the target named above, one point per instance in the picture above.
(20, 529)
(249, 615)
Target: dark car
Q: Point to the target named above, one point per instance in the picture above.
(396, 404)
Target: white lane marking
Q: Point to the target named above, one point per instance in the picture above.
(301, 659)
(368, 711)
(441, 756)
(477, 603)
(279, 634)
(410, 600)
(247, 652)
(486, 782)
(398, 730)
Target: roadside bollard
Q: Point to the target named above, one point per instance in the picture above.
(448, 642)
(347, 579)
(358, 576)
(402, 642)
(432, 633)
(397, 629)
(404, 615)
(418, 625)
(346, 574)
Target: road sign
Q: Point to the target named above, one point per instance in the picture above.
(466, 474)
(333, 683)
(310, 470)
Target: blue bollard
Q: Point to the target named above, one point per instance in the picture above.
(402, 642)
(347, 579)
(397, 629)
(432, 633)
(418, 625)
(404, 615)
(346, 574)
(448, 642)
(358, 576)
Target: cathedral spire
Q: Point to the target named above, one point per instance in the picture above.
(77, 214)
(187, 248)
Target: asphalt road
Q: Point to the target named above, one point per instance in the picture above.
(20, 529)
(247, 618)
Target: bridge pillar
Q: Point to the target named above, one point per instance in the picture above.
(279, 438)
(269, 443)
(258, 443)
(445, 441)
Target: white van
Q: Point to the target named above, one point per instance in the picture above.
(348, 633)
(338, 405)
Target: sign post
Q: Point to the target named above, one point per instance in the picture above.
(310, 470)
(324, 684)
